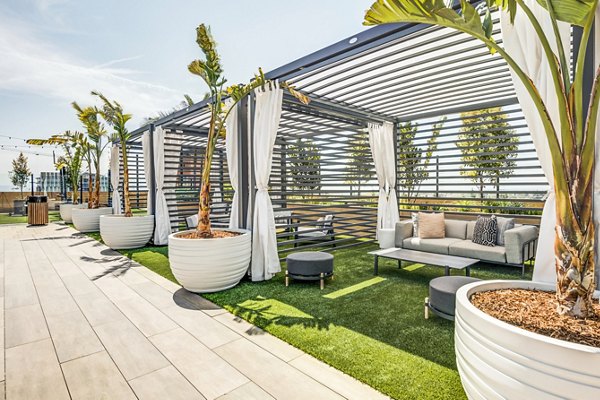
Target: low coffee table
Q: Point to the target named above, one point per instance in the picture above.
(438, 260)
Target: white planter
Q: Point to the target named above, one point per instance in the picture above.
(210, 265)
(497, 360)
(66, 210)
(88, 220)
(386, 238)
(120, 232)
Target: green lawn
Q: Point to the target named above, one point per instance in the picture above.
(369, 327)
(21, 219)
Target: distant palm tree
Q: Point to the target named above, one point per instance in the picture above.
(93, 145)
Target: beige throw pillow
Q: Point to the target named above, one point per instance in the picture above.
(432, 226)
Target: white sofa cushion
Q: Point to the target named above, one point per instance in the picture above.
(439, 246)
(466, 248)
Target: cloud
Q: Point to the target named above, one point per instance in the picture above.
(34, 66)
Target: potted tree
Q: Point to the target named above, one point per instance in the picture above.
(93, 145)
(122, 231)
(71, 161)
(206, 259)
(497, 359)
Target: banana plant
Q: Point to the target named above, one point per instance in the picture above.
(211, 72)
(93, 145)
(571, 143)
(72, 158)
(113, 114)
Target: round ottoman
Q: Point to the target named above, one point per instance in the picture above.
(309, 266)
(442, 295)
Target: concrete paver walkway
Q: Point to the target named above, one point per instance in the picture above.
(81, 321)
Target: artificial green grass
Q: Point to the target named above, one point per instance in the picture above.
(372, 329)
(53, 216)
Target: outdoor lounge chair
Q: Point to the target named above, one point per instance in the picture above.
(322, 232)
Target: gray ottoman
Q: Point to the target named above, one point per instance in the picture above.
(442, 295)
(309, 266)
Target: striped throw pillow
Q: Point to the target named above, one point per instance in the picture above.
(486, 231)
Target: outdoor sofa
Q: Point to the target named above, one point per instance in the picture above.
(520, 243)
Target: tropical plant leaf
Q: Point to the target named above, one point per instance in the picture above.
(432, 12)
(302, 98)
(575, 12)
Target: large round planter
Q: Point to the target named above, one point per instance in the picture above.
(66, 210)
(497, 360)
(210, 265)
(88, 219)
(119, 232)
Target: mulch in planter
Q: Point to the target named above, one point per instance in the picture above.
(535, 311)
(215, 234)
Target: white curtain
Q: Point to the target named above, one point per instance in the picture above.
(161, 216)
(114, 179)
(381, 141)
(521, 42)
(232, 151)
(265, 261)
(147, 153)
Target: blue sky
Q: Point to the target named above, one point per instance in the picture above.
(55, 51)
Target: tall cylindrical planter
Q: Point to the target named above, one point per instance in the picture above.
(119, 232)
(88, 220)
(210, 265)
(497, 360)
(66, 211)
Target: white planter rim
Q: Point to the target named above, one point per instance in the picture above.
(175, 236)
(123, 216)
(93, 209)
(463, 296)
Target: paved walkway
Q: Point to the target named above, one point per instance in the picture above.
(82, 322)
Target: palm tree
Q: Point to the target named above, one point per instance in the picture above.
(71, 160)
(93, 146)
(211, 72)
(571, 144)
(112, 113)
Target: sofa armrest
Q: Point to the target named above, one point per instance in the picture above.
(520, 243)
(404, 229)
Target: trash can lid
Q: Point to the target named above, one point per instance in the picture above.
(37, 199)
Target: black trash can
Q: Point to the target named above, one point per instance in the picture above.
(37, 210)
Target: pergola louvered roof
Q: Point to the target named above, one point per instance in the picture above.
(394, 72)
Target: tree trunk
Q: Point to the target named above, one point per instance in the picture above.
(575, 251)
(204, 228)
(125, 181)
(75, 190)
(96, 203)
(90, 189)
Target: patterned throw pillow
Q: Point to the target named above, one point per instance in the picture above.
(486, 231)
